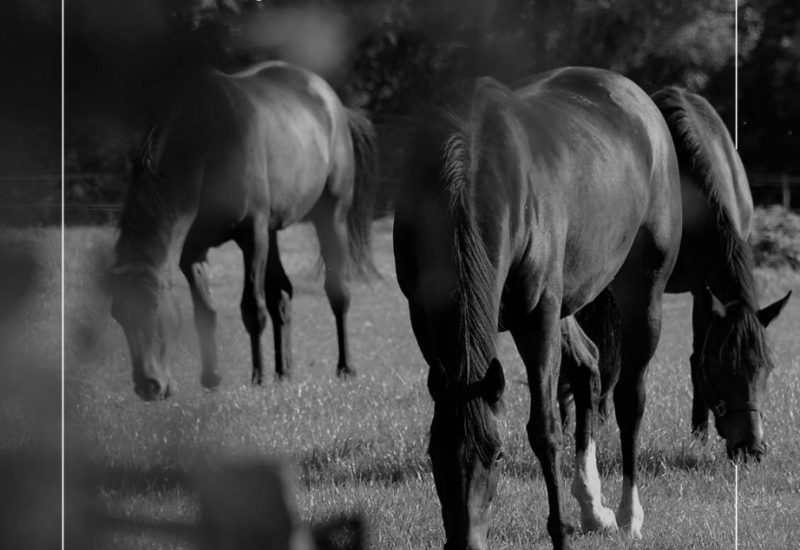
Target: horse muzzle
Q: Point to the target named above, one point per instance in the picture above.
(745, 452)
(150, 389)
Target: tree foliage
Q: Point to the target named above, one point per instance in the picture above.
(769, 86)
(124, 58)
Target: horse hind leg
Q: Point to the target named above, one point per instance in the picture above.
(579, 360)
(331, 225)
(252, 239)
(700, 307)
(640, 309)
(278, 292)
(565, 398)
(193, 267)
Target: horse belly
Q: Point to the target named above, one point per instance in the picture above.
(696, 211)
(597, 251)
(583, 284)
(295, 186)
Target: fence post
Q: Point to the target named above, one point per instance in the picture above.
(787, 193)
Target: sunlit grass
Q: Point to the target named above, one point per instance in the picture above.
(360, 445)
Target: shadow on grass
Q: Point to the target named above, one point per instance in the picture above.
(237, 503)
(131, 480)
(355, 461)
(691, 459)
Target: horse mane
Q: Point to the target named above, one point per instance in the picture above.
(745, 340)
(476, 303)
(726, 257)
(146, 210)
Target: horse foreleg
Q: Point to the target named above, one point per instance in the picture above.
(579, 359)
(538, 341)
(331, 226)
(254, 243)
(205, 317)
(700, 411)
(279, 292)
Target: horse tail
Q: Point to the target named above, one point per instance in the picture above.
(359, 217)
(601, 322)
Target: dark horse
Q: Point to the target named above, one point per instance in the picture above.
(523, 206)
(241, 157)
(731, 359)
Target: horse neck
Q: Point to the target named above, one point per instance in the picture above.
(154, 226)
(729, 264)
(476, 301)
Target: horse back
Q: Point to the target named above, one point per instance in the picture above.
(287, 134)
(597, 186)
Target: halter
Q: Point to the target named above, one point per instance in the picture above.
(720, 407)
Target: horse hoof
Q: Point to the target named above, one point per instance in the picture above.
(632, 533)
(603, 520)
(345, 372)
(633, 529)
(211, 381)
(282, 376)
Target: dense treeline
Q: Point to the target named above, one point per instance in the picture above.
(123, 59)
(30, 106)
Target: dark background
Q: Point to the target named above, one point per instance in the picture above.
(123, 58)
(30, 109)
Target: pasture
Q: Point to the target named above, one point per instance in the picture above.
(360, 444)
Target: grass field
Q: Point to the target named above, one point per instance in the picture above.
(359, 445)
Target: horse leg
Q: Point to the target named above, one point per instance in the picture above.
(579, 360)
(699, 330)
(331, 227)
(564, 395)
(565, 400)
(419, 326)
(538, 341)
(193, 267)
(254, 242)
(641, 329)
(278, 292)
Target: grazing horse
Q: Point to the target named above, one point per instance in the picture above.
(731, 360)
(521, 207)
(241, 157)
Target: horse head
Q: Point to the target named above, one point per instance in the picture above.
(143, 304)
(465, 452)
(734, 367)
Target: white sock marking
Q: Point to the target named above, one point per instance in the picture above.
(587, 491)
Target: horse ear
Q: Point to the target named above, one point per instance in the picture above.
(768, 314)
(437, 379)
(718, 309)
(494, 382)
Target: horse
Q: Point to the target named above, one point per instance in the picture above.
(521, 205)
(240, 157)
(731, 360)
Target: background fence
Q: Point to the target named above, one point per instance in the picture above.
(774, 189)
(97, 198)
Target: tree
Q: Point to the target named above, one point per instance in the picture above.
(769, 86)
